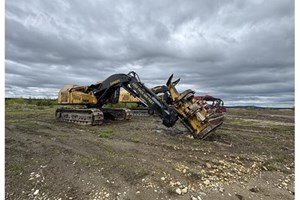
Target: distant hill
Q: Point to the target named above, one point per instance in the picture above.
(257, 107)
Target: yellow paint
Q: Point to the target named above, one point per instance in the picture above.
(126, 97)
(183, 107)
(72, 94)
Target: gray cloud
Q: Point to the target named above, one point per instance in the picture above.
(240, 51)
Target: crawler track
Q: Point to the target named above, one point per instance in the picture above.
(92, 116)
(118, 114)
(80, 116)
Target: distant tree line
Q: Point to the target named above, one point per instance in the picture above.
(31, 101)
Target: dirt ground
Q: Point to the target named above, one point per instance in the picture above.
(251, 156)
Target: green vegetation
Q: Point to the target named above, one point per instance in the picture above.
(281, 158)
(106, 133)
(279, 127)
(90, 162)
(237, 121)
(13, 170)
(30, 101)
(197, 143)
(135, 140)
(278, 162)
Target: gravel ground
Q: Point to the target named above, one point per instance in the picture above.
(251, 156)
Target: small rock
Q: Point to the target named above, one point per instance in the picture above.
(194, 198)
(184, 171)
(178, 191)
(138, 192)
(199, 198)
(172, 183)
(208, 165)
(283, 183)
(221, 189)
(202, 193)
(178, 183)
(264, 168)
(190, 137)
(206, 182)
(36, 192)
(222, 161)
(229, 194)
(162, 178)
(107, 195)
(184, 190)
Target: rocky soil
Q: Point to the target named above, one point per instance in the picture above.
(251, 156)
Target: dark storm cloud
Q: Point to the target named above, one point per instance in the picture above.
(241, 51)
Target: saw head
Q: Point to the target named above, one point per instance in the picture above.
(192, 112)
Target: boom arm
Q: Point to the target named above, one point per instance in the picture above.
(108, 91)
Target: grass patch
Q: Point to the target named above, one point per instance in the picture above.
(135, 140)
(241, 122)
(13, 170)
(260, 140)
(108, 153)
(278, 162)
(90, 162)
(280, 158)
(277, 127)
(106, 133)
(197, 143)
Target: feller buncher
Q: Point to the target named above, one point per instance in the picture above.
(184, 107)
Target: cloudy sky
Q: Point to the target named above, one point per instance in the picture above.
(240, 51)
